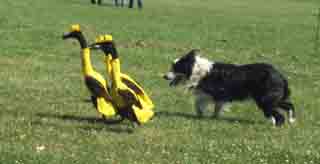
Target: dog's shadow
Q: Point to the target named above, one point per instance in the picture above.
(195, 117)
(113, 125)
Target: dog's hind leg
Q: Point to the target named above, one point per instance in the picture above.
(269, 109)
(289, 108)
(275, 116)
(270, 102)
(278, 116)
(219, 107)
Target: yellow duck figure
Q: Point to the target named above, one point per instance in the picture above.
(94, 81)
(130, 99)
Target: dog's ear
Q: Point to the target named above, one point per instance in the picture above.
(195, 52)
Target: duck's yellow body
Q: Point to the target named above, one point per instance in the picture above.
(124, 97)
(125, 92)
(94, 81)
(97, 86)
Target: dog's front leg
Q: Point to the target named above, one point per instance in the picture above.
(201, 104)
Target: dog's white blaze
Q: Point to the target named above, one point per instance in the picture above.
(200, 69)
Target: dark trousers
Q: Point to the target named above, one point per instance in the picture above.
(94, 2)
(139, 3)
(117, 4)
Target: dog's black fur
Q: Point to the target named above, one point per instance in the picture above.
(223, 82)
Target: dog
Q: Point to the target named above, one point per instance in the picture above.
(222, 83)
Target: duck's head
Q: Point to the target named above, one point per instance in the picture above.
(75, 33)
(106, 44)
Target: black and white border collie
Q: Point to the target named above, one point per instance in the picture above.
(221, 83)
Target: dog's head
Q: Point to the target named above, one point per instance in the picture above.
(190, 67)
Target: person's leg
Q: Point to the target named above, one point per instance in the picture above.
(140, 4)
(99, 2)
(122, 3)
(130, 3)
(93, 1)
(116, 2)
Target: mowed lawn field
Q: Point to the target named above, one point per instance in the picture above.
(45, 117)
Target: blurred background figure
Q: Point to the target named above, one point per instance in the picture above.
(117, 4)
(94, 2)
(139, 3)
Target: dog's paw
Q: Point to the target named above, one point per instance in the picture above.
(273, 121)
(292, 120)
(226, 107)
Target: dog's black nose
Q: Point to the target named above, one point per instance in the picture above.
(165, 77)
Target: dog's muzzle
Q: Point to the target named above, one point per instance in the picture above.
(174, 79)
(169, 76)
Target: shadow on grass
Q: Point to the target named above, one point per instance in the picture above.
(89, 3)
(108, 4)
(193, 116)
(87, 100)
(91, 120)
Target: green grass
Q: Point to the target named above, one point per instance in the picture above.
(42, 102)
